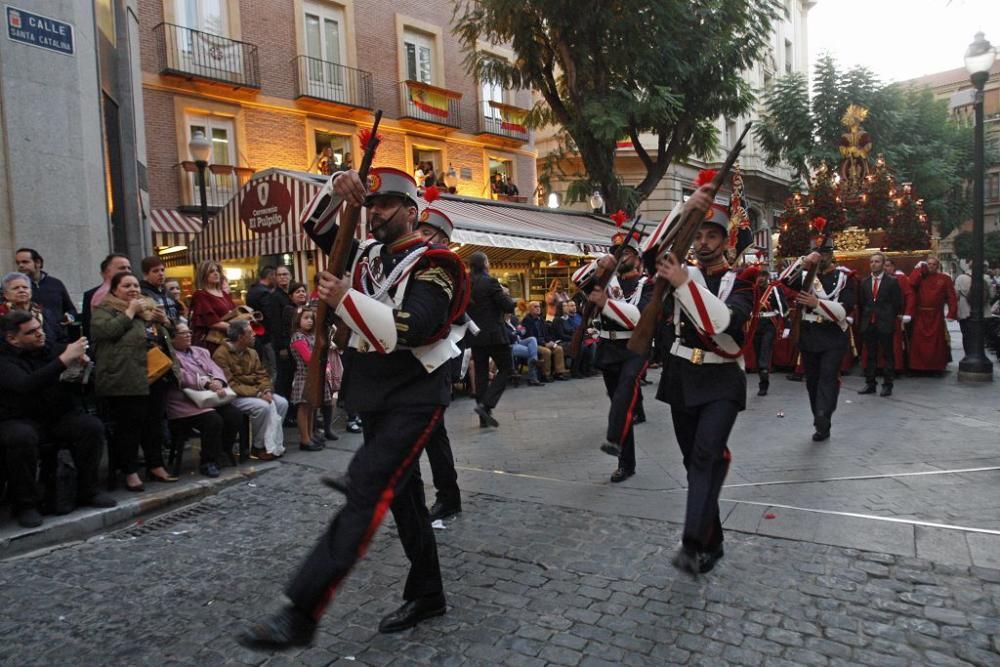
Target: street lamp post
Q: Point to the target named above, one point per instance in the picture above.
(597, 202)
(201, 148)
(976, 366)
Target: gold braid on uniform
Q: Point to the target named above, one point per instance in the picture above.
(439, 277)
(436, 277)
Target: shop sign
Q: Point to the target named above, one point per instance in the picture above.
(265, 206)
(40, 31)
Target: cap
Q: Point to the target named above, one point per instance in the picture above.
(826, 244)
(621, 238)
(584, 275)
(717, 215)
(387, 181)
(436, 219)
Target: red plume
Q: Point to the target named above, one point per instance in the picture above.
(431, 193)
(635, 235)
(819, 224)
(705, 176)
(365, 136)
(619, 217)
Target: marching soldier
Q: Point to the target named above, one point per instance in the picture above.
(772, 316)
(703, 378)
(823, 338)
(399, 302)
(620, 306)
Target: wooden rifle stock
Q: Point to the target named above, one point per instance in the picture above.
(678, 243)
(337, 265)
(601, 279)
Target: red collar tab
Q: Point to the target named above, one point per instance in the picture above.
(405, 242)
(721, 267)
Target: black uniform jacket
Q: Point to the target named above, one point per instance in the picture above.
(826, 335)
(689, 385)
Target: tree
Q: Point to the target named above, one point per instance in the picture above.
(605, 69)
(991, 247)
(825, 198)
(795, 227)
(909, 229)
(785, 131)
(876, 207)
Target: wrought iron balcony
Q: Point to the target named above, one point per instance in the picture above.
(430, 104)
(222, 182)
(330, 82)
(503, 120)
(196, 54)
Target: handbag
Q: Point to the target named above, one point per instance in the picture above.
(206, 398)
(158, 364)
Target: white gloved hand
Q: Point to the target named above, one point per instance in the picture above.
(786, 333)
(907, 319)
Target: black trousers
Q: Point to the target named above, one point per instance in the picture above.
(19, 442)
(966, 327)
(443, 466)
(876, 341)
(218, 428)
(823, 383)
(763, 343)
(285, 367)
(621, 380)
(139, 420)
(703, 433)
(489, 393)
(384, 474)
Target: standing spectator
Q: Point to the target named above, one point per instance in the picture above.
(419, 174)
(487, 305)
(173, 288)
(259, 299)
(553, 359)
(211, 306)
(46, 291)
(218, 426)
(963, 290)
(17, 296)
(276, 321)
(302, 344)
(929, 349)
(153, 285)
(124, 330)
(299, 297)
(35, 408)
(111, 266)
(254, 394)
(429, 177)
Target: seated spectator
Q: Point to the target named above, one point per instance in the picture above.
(17, 296)
(219, 426)
(551, 355)
(524, 350)
(125, 328)
(254, 394)
(36, 408)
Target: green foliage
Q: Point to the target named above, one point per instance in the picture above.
(909, 229)
(825, 198)
(991, 247)
(785, 130)
(605, 69)
(795, 227)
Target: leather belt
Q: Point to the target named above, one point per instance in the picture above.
(698, 356)
(615, 335)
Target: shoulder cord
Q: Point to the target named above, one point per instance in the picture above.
(387, 284)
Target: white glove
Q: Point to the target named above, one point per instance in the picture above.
(906, 319)
(786, 333)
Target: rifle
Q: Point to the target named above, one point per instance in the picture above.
(807, 286)
(601, 280)
(350, 215)
(677, 241)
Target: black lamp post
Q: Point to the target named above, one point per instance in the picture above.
(201, 149)
(976, 366)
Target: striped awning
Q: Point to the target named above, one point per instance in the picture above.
(171, 227)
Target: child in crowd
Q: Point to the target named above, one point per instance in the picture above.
(302, 344)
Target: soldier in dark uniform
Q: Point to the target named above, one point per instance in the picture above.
(703, 378)
(823, 337)
(399, 302)
(773, 311)
(620, 306)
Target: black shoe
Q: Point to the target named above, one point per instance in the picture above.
(708, 559)
(534, 383)
(620, 475)
(886, 390)
(820, 436)
(687, 561)
(99, 499)
(289, 627)
(209, 470)
(762, 390)
(29, 518)
(310, 446)
(562, 378)
(485, 415)
(354, 425)
(611, 448)
(440, 510)
(869, 389)
(337, 483)
(330, 435)
(413, 612)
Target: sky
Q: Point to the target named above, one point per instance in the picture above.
(900, 39)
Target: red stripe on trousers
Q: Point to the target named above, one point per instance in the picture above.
(699, 304)
(382, 506)
(631, 405)
(355, 314)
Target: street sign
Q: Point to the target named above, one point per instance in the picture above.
(40, 31)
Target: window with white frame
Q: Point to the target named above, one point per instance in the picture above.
(419, 53)
(323, 25)
(221, 180)
(204, 15)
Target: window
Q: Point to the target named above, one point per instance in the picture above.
(419, 56)
(324, 38)
(204, 15)
(491, 92)
(731, 134)
(992, 187)
(428, 166)
(502, 184)
(333, 153)
(789, 57)
(221, 181)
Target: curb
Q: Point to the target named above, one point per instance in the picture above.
(83, 523)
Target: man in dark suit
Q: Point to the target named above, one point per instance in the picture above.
(487, 305)
(881, 301)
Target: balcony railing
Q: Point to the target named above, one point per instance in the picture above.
(323, 80)
(222, 182)
(430, 104)
(193, 53)
(503, 120)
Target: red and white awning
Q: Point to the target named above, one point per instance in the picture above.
(172, 228)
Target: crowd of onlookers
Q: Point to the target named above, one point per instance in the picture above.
(139, 367)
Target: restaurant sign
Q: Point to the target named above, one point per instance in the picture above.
(265, 206)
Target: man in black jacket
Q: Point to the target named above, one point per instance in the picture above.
(487, 305)
(259, 298)
(881, 302)
(278, 326)
(47, 291)
(35, 408)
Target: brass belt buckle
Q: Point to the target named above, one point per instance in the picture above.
(697, 356)
(611, 335)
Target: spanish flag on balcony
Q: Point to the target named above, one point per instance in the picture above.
(429, 101)
(511, 118)
(624, 143)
